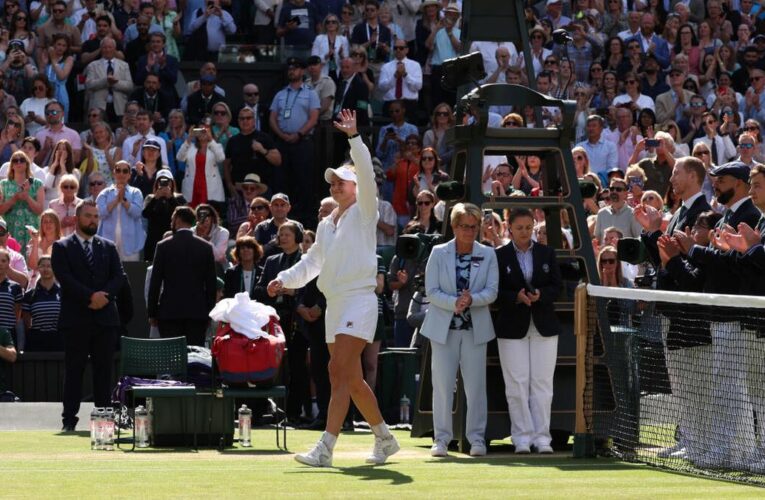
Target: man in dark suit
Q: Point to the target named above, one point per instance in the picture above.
(150, 99)
(156, 60)
(687, 178)
(91, 277)
(183, 282)
(352, 93)
(201, 102)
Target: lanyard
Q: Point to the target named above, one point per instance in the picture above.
(288, 108)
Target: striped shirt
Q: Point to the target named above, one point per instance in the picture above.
(44, 306)
(10, 295)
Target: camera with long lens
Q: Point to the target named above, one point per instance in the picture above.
(633, 251)
(417, 247)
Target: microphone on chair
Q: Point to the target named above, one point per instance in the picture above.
(561, 37)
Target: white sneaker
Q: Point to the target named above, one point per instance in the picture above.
(667, 452)
(522, 449)
(439, 449)
(544, 449)
(478, 449)
(319, 456)
(384, 447)
(681, 454)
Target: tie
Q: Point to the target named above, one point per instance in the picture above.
(399, 87)
(714, 153)
(110, 72)
(726, 216)
(761, 226)
(683, 211)
(89, 255)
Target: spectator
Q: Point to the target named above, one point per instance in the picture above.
(492, 230)
(618, 214)
(671, 105)
(65, 205)
(57, 63)
(652, 82)
(41, 242)
(650, 41)
(54, 132)
(554, 9)
(424, 212)
(93, 116)
(11, 137)
(497, 58)
(88, 321)
(373, 37)
(604, 98)
(22, 198)
(610, 270)
(57, 25)
(21, 29)
(158, 209)
(18, 270)
(146, 9)
(244, 274)
(632, 97)
(603, 154)
(156, 60)
(581, 161)
(33, 108)
(324, 87)
(626, 135)
(742, 77)
(502, 183)
(429, 174)
(746, 150)
(108, 81)
(391, 139)
(202, 183)
(249, 152)
(755, 97)
(149, 98)
(347, 21)
(353, 91)
(146, 168)
(538, 39)
(584, 49)
(332, 47)
(238, 208)
(294, 114)
(635, 178)
(40, 310)
(209, 229)
(144, 131)
(222, 130)
(401, 176)
(30, 146)
(101, 155)
(459, 326)
(401, 78)
(170, 22)
(120, 206)
(445, 44)
(441, 120)
(174, 136)
(207, 69)
(219, 23)
(688, 44)
(183, 282)
(721, 145)
(96, 183)
(91, 48)
(251, 95)
(298, 23)
(19, 69)
(265, 231)
(259, 211)
(264, 31)
(528, 176)
(61, 164)
(138, 48)
(386, 224)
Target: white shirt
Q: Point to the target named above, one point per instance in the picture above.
(344, 256)
(127, 148)
(488, 52)
(643, 101)
(411, 82)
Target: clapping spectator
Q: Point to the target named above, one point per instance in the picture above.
(54, 133)
(11, 137)
(441, 120)
(401, 175)
(57, 62)
(108, 81)
(62, 163)
(424, 213)
(258, 212)
(445, 44)
(332, 47)
(158, 210)
(147, 166)
(144, 131)
(40, 308)
(33, 107)
(120, 206)
(222, 130)
(218, 22)
(298, 21)
(41, 241)
(22, 198)
(174, 136)
(201, 102)
(101, 154)
(170, 22)
(401, 78)
(65, 205)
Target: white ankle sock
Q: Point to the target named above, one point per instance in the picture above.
(329, 440)
(381, 430)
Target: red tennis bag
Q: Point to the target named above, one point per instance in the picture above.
(241, 359)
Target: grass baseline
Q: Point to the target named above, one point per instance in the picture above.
(52, 465)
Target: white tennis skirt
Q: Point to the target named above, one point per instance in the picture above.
(354, 315)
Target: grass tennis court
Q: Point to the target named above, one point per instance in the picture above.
(40, 464)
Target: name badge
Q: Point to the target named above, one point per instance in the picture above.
(546, 268)
(508, 269)
(287, 113)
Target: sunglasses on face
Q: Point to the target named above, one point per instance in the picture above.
(68, 187)
(579, 158)
(701, 153)
(630, 82)
(52, 112)
(428, 158)
(744, 145)
(257, 208)
(121, 170)
(551, 62)
(3, 232)
(618, 189)
(751, 128)
(251, 94)
(608, 261)
(424, 203)
(398, 47)
(331, 21)
(219, 112)
(442, 113)
(245, 118)
(19, 160)
(96, 183)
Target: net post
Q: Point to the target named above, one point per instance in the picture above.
(583, 439)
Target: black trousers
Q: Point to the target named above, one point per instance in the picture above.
(97, 342)
(298, 394)
(317, 342)
(297, 177)
(193, 329)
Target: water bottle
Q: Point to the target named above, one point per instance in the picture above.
(245, 425)
(404, 404)
(142, 426)
(99, 428)
(109, 429)
(93, 420)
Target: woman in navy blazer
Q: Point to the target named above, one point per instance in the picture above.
(527, 331)
(461, 281)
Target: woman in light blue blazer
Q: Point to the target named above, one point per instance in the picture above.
(461, 280)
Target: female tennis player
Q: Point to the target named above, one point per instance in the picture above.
(344, 257)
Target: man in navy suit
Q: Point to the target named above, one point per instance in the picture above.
(650, 42)
(91, 276)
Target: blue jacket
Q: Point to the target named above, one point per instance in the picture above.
(133, 233)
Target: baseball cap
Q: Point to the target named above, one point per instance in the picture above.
(208, 79)
(280, 196)
(295, 62)
(313, 60)
(164, 173)
(344, 172)
(151, 143)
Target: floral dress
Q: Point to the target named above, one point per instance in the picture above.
(20, 215)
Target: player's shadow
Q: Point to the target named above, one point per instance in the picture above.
(365, 473)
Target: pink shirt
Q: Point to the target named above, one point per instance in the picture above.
(64, 210)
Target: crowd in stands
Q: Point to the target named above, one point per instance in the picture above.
(670, 102)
